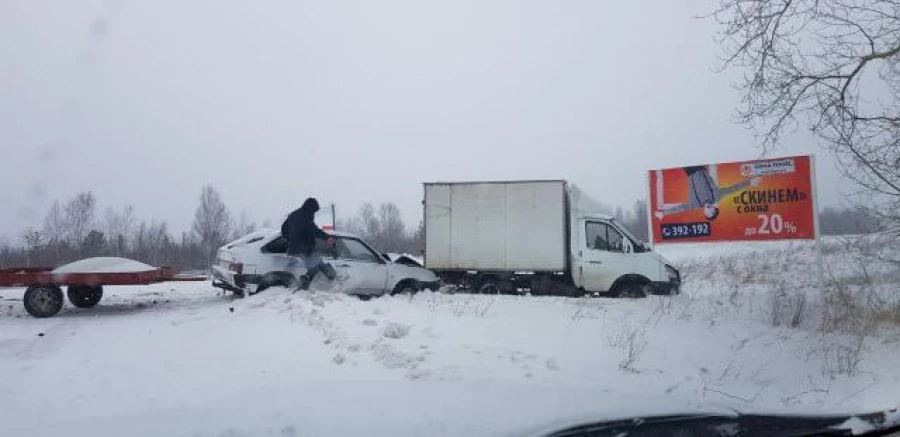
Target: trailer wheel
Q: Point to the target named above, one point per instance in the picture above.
(85, 296)
(43, 300)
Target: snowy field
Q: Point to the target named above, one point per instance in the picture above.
(185, 358)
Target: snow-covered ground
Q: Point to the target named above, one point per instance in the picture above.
(185, 358)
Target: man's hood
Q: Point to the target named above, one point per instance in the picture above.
(311, 205)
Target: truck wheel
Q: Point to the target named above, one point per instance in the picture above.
(631, 290)
(84, 296)
(489, 287)
(43, 300)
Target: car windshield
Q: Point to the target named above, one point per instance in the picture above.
(499, 218)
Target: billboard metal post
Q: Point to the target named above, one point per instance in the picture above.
(649, 213)
(820, 257)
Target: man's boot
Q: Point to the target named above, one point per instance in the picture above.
(329, 271)
(304, 283)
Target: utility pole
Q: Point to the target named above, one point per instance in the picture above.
(333, 218)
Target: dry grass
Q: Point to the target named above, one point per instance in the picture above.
(786, 308)
(857, 298)
(632, 341)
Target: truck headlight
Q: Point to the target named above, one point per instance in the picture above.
(673, 274)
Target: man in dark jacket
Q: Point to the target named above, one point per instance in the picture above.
(301, 232)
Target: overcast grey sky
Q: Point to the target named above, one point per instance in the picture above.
(271, 102)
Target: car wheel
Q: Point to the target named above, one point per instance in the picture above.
(276, 279)
(84, 296)
(43, 300)
(407, 287)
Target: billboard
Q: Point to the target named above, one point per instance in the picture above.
(768, 199)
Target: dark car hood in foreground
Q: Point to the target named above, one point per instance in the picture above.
(473, 408)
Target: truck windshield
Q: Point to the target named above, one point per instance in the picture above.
(634, 240)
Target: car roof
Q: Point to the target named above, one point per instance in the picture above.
(271, 232)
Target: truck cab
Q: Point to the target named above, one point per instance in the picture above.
(607, 258)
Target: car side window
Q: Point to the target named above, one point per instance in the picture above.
(348, 248)
(327, 252)
(602, 236)
(278, 245)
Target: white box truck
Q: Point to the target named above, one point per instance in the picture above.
(546, 237)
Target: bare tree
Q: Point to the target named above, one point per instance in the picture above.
(393, 231)
(384, 229)
(149, 242)
(634, 219)
(621, 215)
(55, 229)
(93, 244)
(832, 65)
(139, 249)
(212, 222)
(158, 239)
(79, 217)
(845, 221)
(371, 227)
(118, 227)
(34, 241)
(639, 225)
(244, 226)
(7, 256)
(417, 244)
(54, 223)
(352, 225)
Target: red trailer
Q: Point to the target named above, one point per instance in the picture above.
(44, 296)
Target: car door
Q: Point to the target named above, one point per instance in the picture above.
(276, 259)
(604, 259)
(365, 272)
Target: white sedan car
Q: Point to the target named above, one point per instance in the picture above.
(257, 261)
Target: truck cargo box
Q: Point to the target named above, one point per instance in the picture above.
(496, 226)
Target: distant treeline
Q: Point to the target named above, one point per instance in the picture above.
(74, 230)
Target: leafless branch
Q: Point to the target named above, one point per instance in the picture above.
(812, 59)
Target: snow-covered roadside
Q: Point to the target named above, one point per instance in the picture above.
(653, 346)
(169, 347)
(145, 348)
